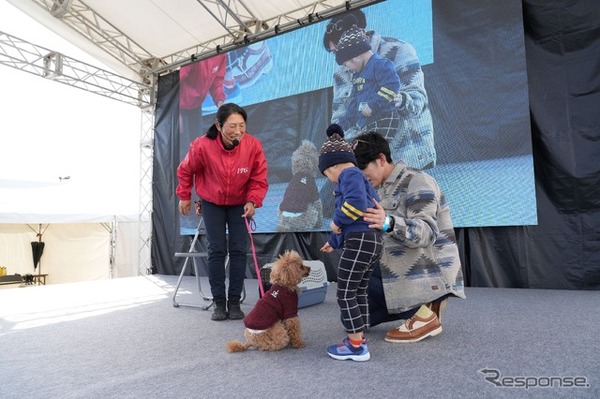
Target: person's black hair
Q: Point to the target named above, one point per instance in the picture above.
(340, 23)
(224, 112)
(367, 148)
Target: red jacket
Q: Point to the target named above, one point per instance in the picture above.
(224, 177)
(196, 80)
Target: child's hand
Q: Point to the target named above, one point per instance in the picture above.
(335, 229)
(365, 109)
(326, 248)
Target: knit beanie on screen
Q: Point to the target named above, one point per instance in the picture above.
(335, 150)
(352, 43)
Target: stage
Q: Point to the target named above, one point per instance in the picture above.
(123, 338)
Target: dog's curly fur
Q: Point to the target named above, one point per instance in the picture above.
(305, 159)
(287, 272)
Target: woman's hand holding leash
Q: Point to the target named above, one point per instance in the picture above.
(185, 206)
(249, 210)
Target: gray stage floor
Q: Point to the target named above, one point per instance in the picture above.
(123, 338)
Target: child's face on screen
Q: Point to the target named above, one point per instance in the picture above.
(354, 64)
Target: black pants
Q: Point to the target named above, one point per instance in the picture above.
(221, 221)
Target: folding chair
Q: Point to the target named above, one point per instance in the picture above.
(194, 255)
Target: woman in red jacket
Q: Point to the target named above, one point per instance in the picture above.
(228, 168)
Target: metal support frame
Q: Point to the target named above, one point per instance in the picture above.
(240, 25)
(100, 32)
(239, 34)
(145, 193)
(40, 61)
(112, 230)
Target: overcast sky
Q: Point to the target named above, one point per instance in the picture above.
(50, 130)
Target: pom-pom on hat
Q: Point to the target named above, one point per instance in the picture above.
(335, 150)
(353, 42)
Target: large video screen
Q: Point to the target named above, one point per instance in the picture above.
(460, 112)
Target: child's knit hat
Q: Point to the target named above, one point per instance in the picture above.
(335, 150)
(353, 42)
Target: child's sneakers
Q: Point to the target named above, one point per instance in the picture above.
(344, 350)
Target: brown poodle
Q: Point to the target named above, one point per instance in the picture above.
(273, 323)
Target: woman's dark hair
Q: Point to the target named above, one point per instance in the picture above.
(368, 146)
(340, 23)
(223, 113)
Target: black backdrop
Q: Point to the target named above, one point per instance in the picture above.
(562, 45)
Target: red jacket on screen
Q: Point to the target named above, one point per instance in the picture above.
(198, 79)
(224, 177)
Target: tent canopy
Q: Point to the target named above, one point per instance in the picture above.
(138, 38)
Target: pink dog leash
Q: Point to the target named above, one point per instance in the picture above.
(251, 226)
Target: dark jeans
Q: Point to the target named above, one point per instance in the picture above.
(377, 307)
(217, 220)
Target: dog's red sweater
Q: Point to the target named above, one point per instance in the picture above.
(278, 303)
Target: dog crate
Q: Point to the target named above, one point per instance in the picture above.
(313, 288)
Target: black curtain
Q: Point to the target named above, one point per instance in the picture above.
(562, 45)
(165, 221)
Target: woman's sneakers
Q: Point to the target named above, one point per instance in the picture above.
(346, 351)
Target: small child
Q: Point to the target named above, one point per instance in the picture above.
(375, 85)
(361, 246)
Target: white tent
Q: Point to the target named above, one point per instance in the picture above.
(85, 237)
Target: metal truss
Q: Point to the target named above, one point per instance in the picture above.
(145, 194)
(244, 28)
(40, 61)
(103, 34)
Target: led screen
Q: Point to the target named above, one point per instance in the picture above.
(461, 108)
